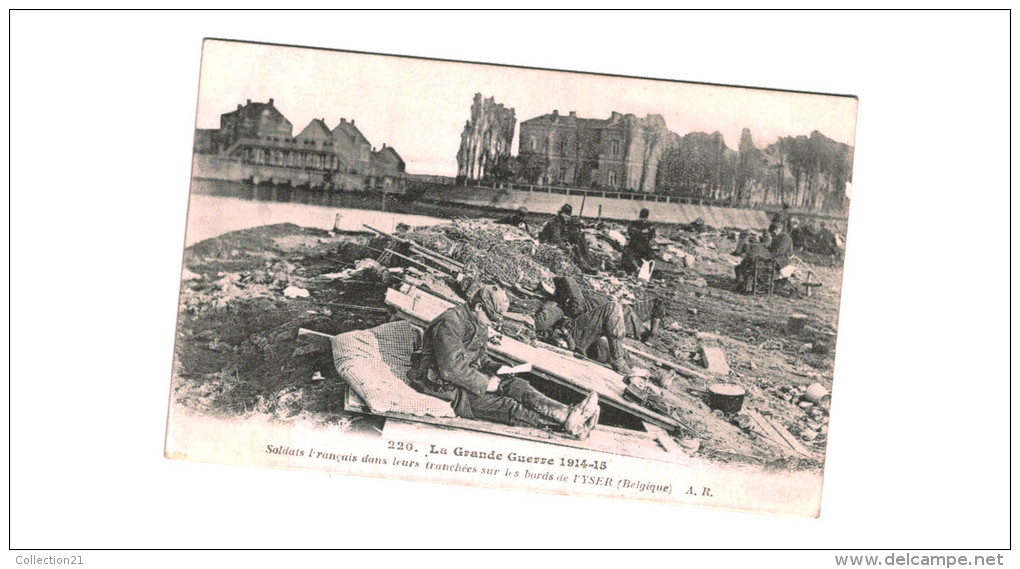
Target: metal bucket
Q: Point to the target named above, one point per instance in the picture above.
(817, 394)
(726, 397)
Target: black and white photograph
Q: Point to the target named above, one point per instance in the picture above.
(556, 281)
(628, 287)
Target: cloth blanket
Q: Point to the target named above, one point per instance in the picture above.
(376, 364)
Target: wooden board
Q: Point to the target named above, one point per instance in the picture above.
(682, 370)
(574, 373)
(614, 440)
(777, 432)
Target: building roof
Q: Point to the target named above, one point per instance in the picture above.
(316, 129)
(387, 155)
(572, 119)
(255, 111)
(352, 133)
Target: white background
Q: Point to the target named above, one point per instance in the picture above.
(102, 117)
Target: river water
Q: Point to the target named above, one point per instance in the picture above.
(212, 215)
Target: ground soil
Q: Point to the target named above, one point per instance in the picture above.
(238, 352)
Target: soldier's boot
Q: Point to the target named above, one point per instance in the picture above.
(551, 412)
(583, 417)
(618, 358)
(577, 420)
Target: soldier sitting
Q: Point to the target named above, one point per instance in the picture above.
(566, 232)
(454, 368)
(640, 236)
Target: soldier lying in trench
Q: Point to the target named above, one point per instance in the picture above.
(594, 326)
(454, 368)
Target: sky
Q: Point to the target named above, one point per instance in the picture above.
(420, 106)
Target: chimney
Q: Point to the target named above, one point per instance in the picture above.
(384, 146)
(352, 122)
(573, 114)
(249, 102)
(556, 113)
(270, 102)
(239, 106)
(343, 120)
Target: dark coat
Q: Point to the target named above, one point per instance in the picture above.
(554, 232)
(453, 353)
(561, 231)
(639, 237)
(782, 249)
(517, 219)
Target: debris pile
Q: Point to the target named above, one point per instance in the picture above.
(488, 253)
(239, 354)
(812, 418)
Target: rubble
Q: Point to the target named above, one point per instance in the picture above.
(481, 246)
(369, 268)
(714, 360)
(235, 317)
(295, 292)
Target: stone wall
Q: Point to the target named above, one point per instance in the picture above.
(612, 208)
(206, 166)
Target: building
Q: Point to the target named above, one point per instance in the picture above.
(387, 162)
(620, 152)
(387, 168)
(486, 138)
(352, 146)
(255, 120)
(256, 142)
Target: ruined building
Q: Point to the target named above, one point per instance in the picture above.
(486, 138)
(620, 152)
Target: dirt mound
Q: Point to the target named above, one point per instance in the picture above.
(260, 239)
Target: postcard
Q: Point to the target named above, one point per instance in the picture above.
(512, 278)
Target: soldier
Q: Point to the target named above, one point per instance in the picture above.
(640, 235)
(779, 251)
(582, 322)
(454, 368)
(555, 231)
(565, 231)
(518, 218)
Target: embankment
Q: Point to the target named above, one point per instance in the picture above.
(611, 208)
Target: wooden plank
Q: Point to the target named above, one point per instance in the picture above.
(664, 439)
(422, 250)
(770, 435)
(375, 309)
(613, 440)
(790, 439)
(444, 270)
(580, 375)
(780, 432)
(682, 370)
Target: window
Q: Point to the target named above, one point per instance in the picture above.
(612, 176)
(563, 147)
(533, 143)
(616, 148)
